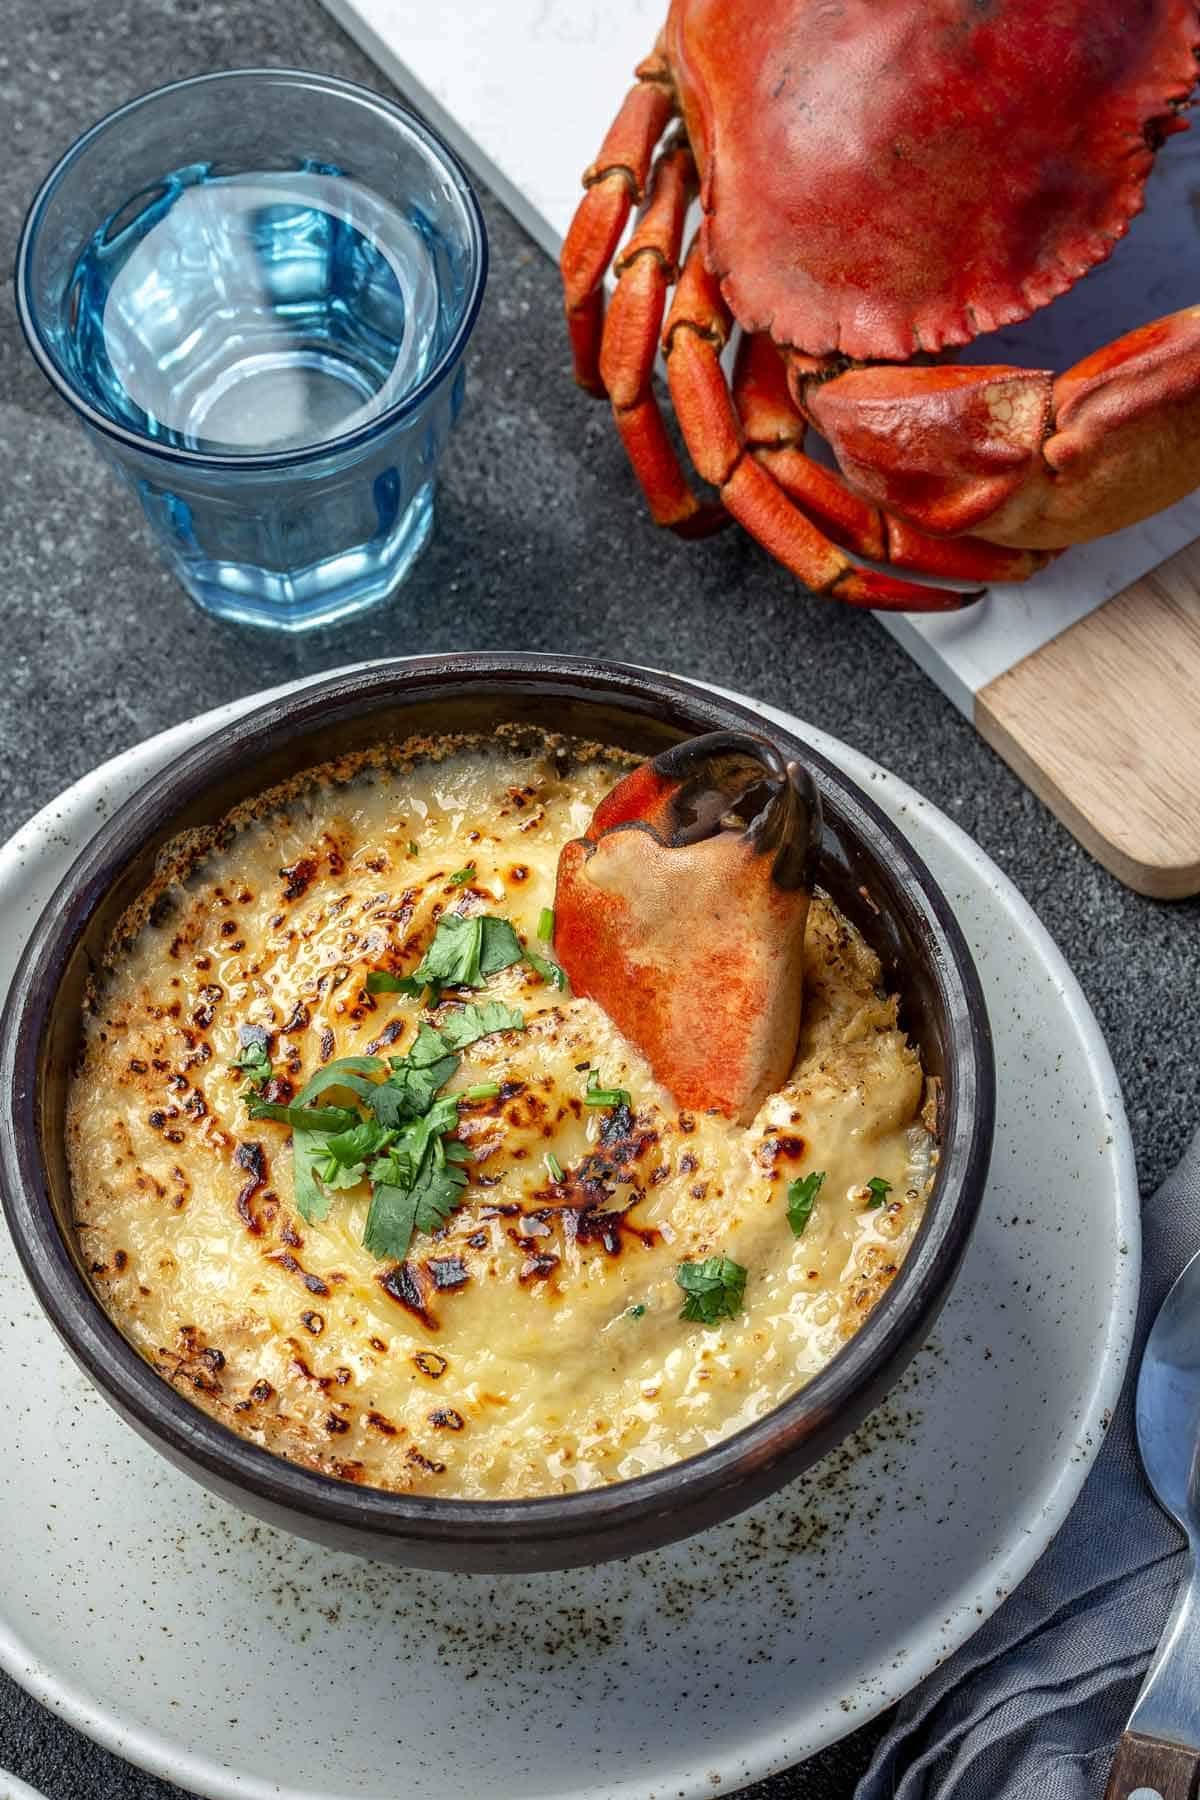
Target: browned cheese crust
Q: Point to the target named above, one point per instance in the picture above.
(535, 1344)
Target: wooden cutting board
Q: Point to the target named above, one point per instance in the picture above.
(1087, 680)
(1103, 723)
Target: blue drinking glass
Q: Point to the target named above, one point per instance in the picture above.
(255, 288)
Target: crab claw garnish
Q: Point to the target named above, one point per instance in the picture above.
(682, 914)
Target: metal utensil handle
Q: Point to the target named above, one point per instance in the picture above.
(1146, 1768)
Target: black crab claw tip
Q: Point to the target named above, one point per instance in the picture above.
(730, 779)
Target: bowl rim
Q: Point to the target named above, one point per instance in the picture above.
(808, 1415)
(233, 462)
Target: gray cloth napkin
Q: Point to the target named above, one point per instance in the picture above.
(1032, 1706)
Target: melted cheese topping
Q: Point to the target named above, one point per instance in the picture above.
(535, 1345)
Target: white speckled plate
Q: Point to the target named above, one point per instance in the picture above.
(237, 1661)
(12, 1789)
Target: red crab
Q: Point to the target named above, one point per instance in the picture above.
(881, 180)
(682, 914)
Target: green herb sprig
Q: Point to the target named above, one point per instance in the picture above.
(465, 951)
(801, 1198)
(715, 1289)
(597, 1095)
(254, 1057)
(396, 1133)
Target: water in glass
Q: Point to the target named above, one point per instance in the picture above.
(253, 312)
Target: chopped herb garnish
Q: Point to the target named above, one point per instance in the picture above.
(380, 981)
(414, 1188)
(304, 1118)
(636, 1312)
(414, 1080)
(465, 951)
(399, 1142)
(460, 876)
(550, 972)
(801, 1197)
(347, 1072)
(546, 924)
(467, 1024)
(415, 1170)
(413, 848)
(342, 1162)
(312, 1200)
(880, 1189)
(254, 1058)
(500, 946)
(602, 1096)
(715, 1289)
(553, 1166)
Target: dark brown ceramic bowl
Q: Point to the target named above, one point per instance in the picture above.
(867, 866)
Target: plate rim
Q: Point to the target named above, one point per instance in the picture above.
(767, 1752)
(17, 1789)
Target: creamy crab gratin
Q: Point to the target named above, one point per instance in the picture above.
(356, 1172)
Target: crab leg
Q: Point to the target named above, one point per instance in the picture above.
(775, 431)
(646, 270)
(614, 182)
(696, 332)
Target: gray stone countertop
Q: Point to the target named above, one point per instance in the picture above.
(541, 543)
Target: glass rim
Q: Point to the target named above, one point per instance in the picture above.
(435, 147)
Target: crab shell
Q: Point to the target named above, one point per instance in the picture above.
(919, 171)
(882, 180)
(682, 914)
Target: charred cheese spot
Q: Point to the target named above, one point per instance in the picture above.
(560, 1359)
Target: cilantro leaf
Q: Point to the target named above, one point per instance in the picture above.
(453, 954)
(392, 1218)
(343, 1162)
(255, 1063)
(401, 1146)
(415, 1078)
(254, 1057)
(318, 1119)
(439, 1184)
(312, 1202)
(345, 1073)
(715, 1289)
(801, 1197)
(410, 1195)
(382, 981)
(441, 1117)
(500, 946)
(469, 1023)
(880, 1189)
(465, 951)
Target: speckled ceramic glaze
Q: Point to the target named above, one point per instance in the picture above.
(237, 1661)
(864, 863)
(12, 1789)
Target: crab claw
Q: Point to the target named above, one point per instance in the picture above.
(682, 914)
